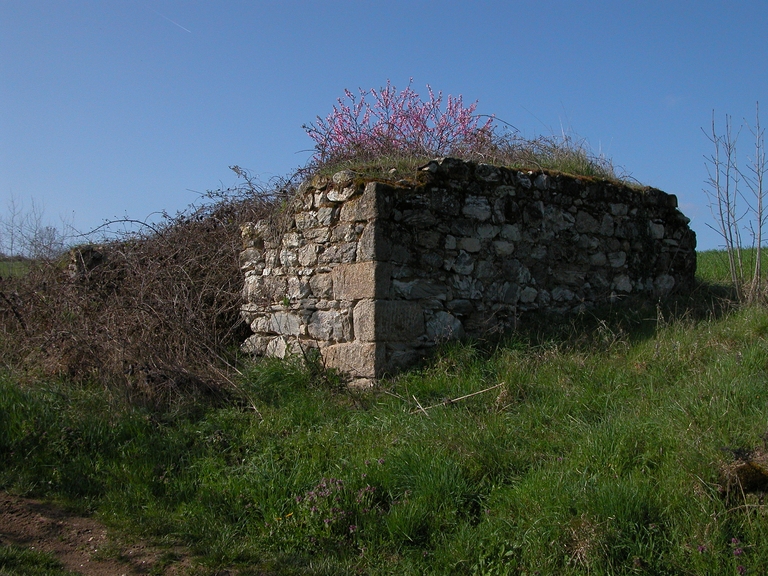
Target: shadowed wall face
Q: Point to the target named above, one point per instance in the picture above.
(373, 275)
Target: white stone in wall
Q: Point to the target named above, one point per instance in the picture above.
(366, 245)
(285, 323)
(321, 285)
(329, 325)
(308, 254)
(289, 258)
(256, 345)
(343, 178)
(292, 240)
(305, 220)
(277, 348)
(297, 289)
(341, 195)
(344, 232)
(319, 235)
(325, 216)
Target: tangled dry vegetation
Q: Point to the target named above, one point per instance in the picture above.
(154, 311)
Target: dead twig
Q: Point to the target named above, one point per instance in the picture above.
(420, 407)
(452, 400)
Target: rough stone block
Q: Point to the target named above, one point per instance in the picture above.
(285, 323)
(477, 208)
(387, 321)
(444, 326)
(586, 224)
(361, 280)
(338, 253)
(470, 244)
(373, 243)
(363, 207)
(329, 325)
(321, 285)
(359, 359)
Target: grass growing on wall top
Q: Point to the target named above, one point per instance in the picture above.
(602, 453)
(553, 154)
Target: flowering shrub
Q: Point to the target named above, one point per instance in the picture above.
(398, 123)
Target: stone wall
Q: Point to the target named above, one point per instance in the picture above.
(373, 274)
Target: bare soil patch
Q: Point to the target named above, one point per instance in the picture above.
(81, 544)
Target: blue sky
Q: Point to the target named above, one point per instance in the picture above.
(111, 108)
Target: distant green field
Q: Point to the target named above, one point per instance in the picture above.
(13, 267)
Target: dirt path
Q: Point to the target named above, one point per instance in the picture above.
(81, 544)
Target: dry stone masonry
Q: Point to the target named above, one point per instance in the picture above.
(371, 274)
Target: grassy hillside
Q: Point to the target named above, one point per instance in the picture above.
(609, 446)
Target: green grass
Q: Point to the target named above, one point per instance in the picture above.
(18, 561)
(601, 454)
(564, 154)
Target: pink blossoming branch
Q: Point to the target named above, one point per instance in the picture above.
(398, 123)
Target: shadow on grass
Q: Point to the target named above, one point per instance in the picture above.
(626, 321)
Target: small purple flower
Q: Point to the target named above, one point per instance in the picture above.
(702, 548)
(352, 528)
(734, 541)
(738, 552)
(741, 570)
(381, 460)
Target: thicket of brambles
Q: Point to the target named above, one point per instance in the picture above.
(155, 311)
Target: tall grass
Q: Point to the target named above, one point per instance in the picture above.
(601, 453)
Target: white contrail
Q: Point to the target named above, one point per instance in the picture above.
(171, 21)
